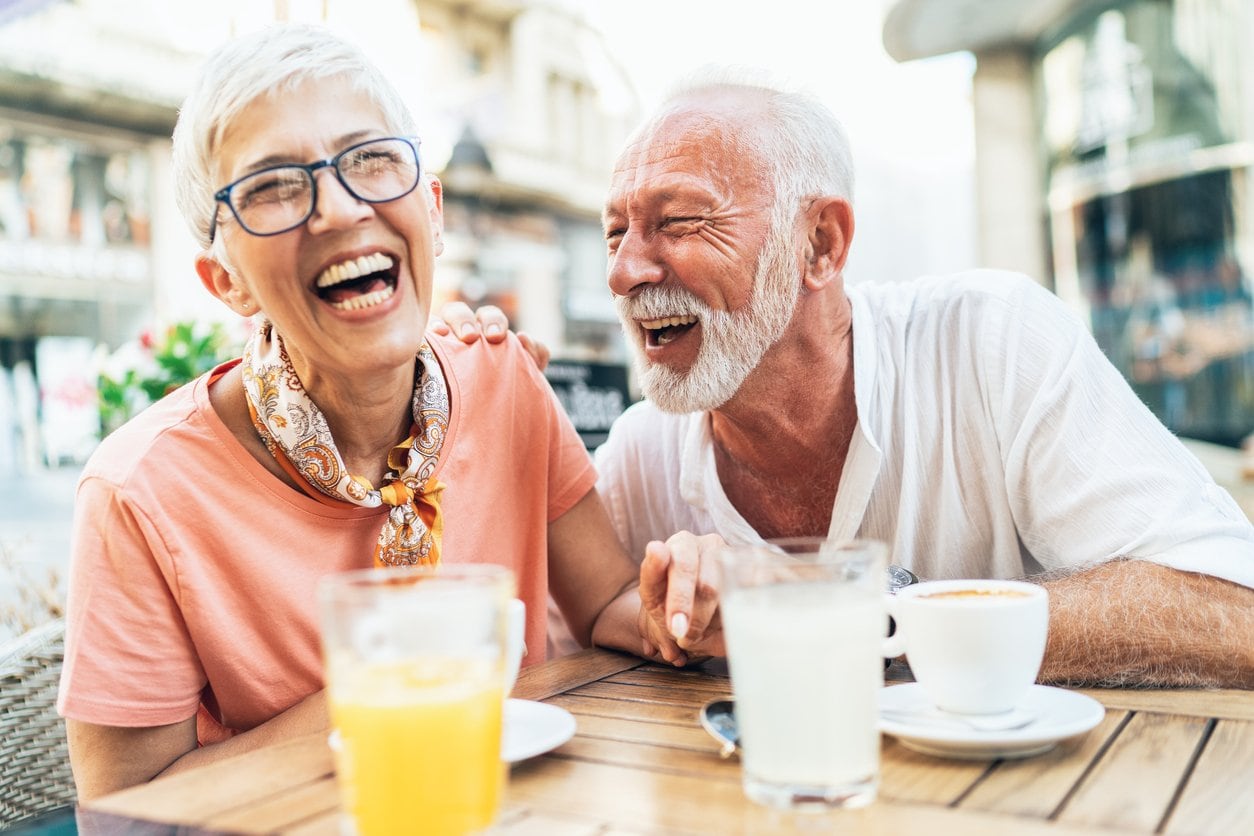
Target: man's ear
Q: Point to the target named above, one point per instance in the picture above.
(224, 285)
(829, 231)
(437, 214)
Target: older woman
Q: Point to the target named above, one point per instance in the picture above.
(341, 438)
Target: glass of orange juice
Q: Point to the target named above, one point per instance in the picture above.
(415, 666)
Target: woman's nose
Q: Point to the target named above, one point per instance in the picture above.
(633, 265)
(334, 206)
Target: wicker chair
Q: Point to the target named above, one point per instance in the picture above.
(34, 762)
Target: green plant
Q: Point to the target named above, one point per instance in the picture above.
(146, 370)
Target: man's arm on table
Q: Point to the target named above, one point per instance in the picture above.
(110, 758)
(1121, 623)
(1134, 622)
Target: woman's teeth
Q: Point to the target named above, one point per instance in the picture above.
(354, 268)
(365, 300)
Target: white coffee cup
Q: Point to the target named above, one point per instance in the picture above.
(975, 646)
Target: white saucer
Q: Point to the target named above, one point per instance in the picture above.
(1061, 714)
(533, 728)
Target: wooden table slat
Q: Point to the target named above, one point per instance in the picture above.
(702, 762)
(1134, 783)
(1196, 702)
(678, 689)
(326, 824)
(254, 776)
(278, 812)
(679, 737)
(690, 699)
(649, 712)
(911, 776)
(539, 682)
(645, 801)
(1219, 797)
(1037, 786)
(545, 824)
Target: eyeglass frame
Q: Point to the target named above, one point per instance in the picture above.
(223, 195)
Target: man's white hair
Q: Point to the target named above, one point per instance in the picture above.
(268, 62)
(800, 141)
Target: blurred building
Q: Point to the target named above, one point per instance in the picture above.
(519, 104)
(1114, 154)
(539, 109)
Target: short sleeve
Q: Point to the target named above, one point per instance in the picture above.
(1091, 473)
(129, 660)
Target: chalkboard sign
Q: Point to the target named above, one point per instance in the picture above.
(593, 395)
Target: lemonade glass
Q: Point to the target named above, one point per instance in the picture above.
(415, 661)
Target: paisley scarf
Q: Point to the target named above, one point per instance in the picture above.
(296, 433)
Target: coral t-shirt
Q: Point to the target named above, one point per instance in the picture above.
(194, 569)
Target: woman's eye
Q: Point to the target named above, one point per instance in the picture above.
(269, 189)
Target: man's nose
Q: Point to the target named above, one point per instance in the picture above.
(634, 265)
(335, 207)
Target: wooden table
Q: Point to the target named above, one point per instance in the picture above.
(1163, 761)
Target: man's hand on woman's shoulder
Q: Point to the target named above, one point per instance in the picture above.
(488, 322)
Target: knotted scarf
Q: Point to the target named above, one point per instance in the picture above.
(296, 433)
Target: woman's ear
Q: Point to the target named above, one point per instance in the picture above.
(437, 214)
(829, 231)
(224, 285)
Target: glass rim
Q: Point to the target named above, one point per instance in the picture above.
(383, 577)
(780, 546)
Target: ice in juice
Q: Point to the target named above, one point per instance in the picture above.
(806, 671)
(420, 745)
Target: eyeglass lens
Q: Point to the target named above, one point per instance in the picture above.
(281, 198)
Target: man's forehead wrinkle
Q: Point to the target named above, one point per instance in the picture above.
(679, 153)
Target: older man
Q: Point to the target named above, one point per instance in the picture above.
(969, 421)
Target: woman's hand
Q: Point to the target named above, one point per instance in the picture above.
(489, 322)
(679, 616)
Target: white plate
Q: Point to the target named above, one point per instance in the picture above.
(533, 728)
(1061, 714)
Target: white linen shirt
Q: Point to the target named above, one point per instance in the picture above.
(993, 439)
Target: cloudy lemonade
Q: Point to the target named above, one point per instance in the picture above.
(420, 745)
(806, 670)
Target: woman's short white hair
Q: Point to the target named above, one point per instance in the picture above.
(800, 142)
(270, 61)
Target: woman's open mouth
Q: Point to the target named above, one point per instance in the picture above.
(358, 283)
(659, 332)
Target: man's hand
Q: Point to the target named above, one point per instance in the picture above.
(489, 322)
(679, 618)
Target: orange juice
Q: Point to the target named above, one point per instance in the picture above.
(420, 745)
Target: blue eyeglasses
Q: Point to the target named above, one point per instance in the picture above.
(280, 198)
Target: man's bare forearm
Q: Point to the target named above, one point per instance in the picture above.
(1132, 622)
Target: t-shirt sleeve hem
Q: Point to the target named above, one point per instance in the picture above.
(578, 487)
(125, 716)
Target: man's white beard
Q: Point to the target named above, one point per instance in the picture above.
(732, 342)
